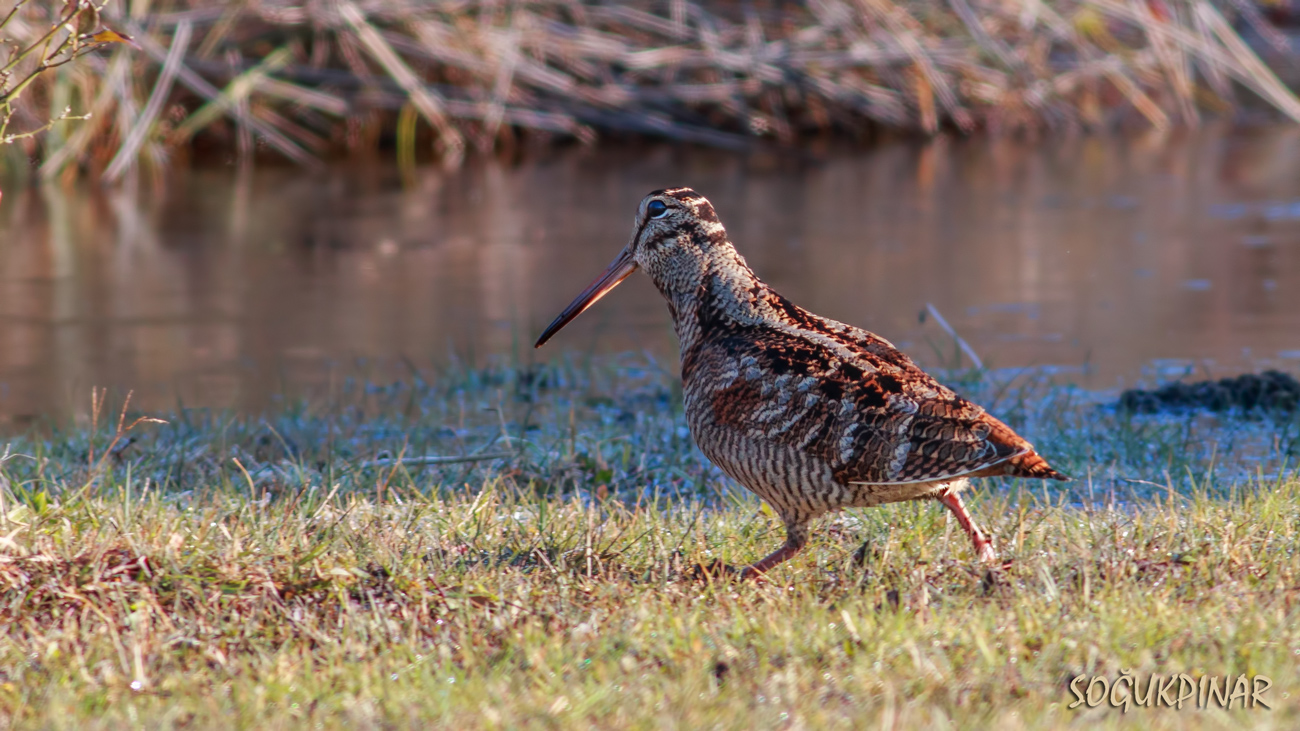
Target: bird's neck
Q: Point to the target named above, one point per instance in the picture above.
(722, 291)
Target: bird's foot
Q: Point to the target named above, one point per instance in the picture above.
(866, 552)
(714, 569)
(995, 579)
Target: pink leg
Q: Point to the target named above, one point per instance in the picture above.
(796, 536)
(983, 546)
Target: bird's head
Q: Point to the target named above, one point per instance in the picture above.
(676, 238)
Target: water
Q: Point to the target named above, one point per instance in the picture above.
(1107, 260)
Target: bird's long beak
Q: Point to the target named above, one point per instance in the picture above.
(616, 272)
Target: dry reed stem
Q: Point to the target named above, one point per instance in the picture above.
(424, 99)
(690, 71)
(136, 137)
(204, 89)
(235, 92)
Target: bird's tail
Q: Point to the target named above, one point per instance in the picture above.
(1031, 464)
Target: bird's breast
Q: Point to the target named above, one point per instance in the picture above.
(756, 430)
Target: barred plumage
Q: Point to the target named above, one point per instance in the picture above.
(811, 414)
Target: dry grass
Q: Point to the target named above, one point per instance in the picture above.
(304, 80)
(308, 569)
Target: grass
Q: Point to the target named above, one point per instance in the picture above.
(305, 568)
(304, 82)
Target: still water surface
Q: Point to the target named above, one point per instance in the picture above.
(1107, 259)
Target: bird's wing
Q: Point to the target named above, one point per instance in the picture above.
(851, 399)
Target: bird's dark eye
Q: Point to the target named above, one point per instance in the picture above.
(656, 209)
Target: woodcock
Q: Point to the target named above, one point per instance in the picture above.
(811, 414)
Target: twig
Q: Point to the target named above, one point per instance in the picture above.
(961, 342)
(86, 133)
(431, 460)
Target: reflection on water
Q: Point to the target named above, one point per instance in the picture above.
(1105, 253)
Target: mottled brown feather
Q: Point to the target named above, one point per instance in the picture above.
(897, 409)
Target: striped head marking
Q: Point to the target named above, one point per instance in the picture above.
(677, 238)
(679, 242)
(666, 216)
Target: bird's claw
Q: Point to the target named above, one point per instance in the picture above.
(995, 579)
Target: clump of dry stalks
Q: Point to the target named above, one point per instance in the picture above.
(307, 78)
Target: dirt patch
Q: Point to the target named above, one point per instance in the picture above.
(1267, 391)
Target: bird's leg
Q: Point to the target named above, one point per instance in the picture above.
(796, 537)
(983, 546)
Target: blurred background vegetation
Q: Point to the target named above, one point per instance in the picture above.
(433, 80)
